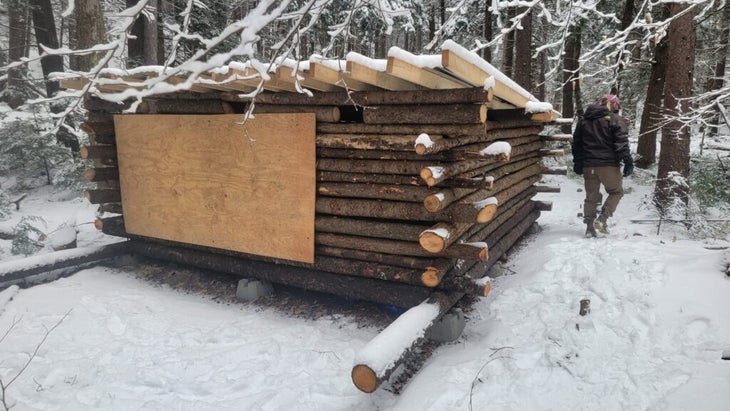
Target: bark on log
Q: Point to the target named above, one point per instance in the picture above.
(562, 171)
(389, 259)
(396, 210)
(366, 178)
(168, 106)
(544, 205)
(368, 269)
(420, 97)
(101, 174)
(481, 232)
(30, 270)
(100, 152)
(368, 228)
(397, 142)
(413, 129)
(111, 226)
(558, 137)
(375, 363)
(443, 198)
(426, 114)
(99, 132)
(369, 98)
(458, 251)
(103, 196)
(384, 292)
(547, 189)
(434, 175)
(323, 114)
(551, 153)
(410, 168)
(369, 154)
(92, 103)
(377, 191)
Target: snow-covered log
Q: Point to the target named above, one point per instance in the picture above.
(375, 362)
(47, 267)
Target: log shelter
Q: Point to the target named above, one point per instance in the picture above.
(399, 181)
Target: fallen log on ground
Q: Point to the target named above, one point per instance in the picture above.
(47, 267)
(375, 362)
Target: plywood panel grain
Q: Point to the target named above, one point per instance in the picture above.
(211, 181)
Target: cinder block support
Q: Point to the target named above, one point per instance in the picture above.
(449, 327)
(252, 289)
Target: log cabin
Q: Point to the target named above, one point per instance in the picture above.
(398, 181)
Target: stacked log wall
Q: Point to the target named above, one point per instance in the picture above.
(387, 209)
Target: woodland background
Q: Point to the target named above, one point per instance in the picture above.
(665, 59)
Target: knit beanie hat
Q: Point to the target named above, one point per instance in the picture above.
(611, 102)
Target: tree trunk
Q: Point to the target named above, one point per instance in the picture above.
(15, 94)
(718, 79)
(89, 31)
(651, 115)
(45, 34)
(626, 19)
(570, 75)
(674, 153)
(523, 52)
(508, 43)
(487, 31)
(136, 40)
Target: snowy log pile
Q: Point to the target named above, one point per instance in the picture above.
(421, 180)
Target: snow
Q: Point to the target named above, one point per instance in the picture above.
(436, 171)
(384, 350)
(441, 232)
(538, 107)
(422, 61)
(424, 140)
(654, 338)
(496, 148)
(475, 60)
(483, 203)
(374, 64)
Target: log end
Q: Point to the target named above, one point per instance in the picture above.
(484, 254)
(483, 113)
(433, 203)
(84, 152)
(421, 149)
(99, 224)
(89, 174)
(364, 378)
(87, 195)
(487, 288)
(430, 277)
(487, 213)
(431, 242)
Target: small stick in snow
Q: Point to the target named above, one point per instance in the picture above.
(585, 307)
(17, 202)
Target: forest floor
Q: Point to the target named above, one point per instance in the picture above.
(165, 337)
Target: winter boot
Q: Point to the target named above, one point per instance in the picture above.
(600, 225)
(590, 231)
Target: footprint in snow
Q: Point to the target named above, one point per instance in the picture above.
(116, 326)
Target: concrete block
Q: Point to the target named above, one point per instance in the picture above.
(449, 327)
(251, 289)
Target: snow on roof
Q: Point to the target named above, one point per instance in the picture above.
(422, 61)
(375, 64)
(475, 60)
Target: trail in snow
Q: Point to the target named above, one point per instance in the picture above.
(645, 338)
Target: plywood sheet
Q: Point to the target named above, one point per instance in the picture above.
(208, 180)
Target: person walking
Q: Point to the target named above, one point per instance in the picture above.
(600, 145)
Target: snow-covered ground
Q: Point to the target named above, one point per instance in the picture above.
(659, 322)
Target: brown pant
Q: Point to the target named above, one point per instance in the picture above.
(612, 181)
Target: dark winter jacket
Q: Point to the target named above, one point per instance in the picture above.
(600, 138)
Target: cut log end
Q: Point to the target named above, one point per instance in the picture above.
(484, 254)
(433, 203)
(364, 378)
(84, 152)
(432, 242)
(421, 149)
(428, 177)
(89, 174)
(486, 214)
(99, 224)
(487, 288)
(431, 277)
